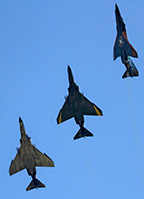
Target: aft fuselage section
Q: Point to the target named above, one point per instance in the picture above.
(75, 105)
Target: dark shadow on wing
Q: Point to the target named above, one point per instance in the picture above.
(116, 49)
(65, 113)
(90, 108)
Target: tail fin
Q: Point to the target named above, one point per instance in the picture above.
(83, 132)
(132, 72)
(35, 183)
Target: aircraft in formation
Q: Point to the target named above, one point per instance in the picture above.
(28, 157)
(122, 47)
(77, 105)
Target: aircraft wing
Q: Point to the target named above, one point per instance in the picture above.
(16, 164)
(131, 51)
(121, 44)
(90, 108)
(42, 160)
(116, 49)
(65, 113)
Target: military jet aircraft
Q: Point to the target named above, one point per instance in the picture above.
(76, 105)
(28, 157)
(122, 47)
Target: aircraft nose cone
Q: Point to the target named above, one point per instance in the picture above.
(20, 120)
(117, 8)
(69, 69)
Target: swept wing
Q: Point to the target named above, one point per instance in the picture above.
(122, 43)
(89, 108)
(42, 160)
(65, 113)
(16, 164)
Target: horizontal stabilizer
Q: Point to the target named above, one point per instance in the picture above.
(35, 183)
(132, 71)
(126, 74)
(83, 132)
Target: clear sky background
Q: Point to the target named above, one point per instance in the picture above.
(38, 39)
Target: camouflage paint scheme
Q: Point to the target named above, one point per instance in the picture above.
(28, 157)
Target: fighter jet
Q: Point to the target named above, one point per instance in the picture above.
(122, 47)
(76, 105)
(28, 157)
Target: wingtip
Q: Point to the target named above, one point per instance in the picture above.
(9, 172)
(98, 111)
(101, 113)
(59, 119)
(53, 165)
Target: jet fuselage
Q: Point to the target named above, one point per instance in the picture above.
(28, 155)
(75, 105)
(76, 102)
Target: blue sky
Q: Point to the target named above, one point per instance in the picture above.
(38, 40)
